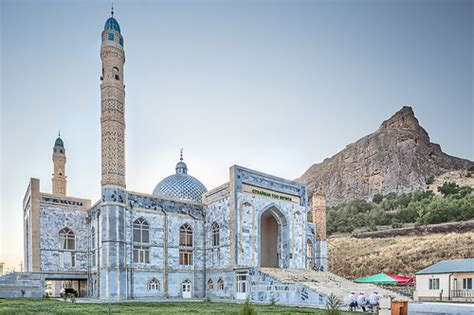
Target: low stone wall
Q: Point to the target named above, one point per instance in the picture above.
(458, 227)
(11, 285)
(264, 288)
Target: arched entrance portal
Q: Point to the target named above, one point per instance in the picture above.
(273, 238)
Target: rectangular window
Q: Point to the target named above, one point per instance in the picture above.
(136, 235)
(111, 36)
(93, 258)
(70, 243)
(467, 284)
(141, 254)
(434, 284)
(73, 259)
(185, 257)
(145, 233)
(242, 282)
(135, 254)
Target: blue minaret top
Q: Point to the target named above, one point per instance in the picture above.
(111, 23)
(59, 144)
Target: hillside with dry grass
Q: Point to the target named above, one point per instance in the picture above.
(353, 257)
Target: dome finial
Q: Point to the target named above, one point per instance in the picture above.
(59, 133)
(112, 9)
(181, 155)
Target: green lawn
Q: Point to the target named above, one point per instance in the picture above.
(46, 306)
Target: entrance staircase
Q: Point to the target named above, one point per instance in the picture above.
(12, 284)
(326, 283)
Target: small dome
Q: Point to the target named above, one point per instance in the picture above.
(59, 142)
(181, 168)
(112, 24)
(181, 185)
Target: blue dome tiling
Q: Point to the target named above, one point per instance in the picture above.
(181, 185)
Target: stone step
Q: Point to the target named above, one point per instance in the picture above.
(325, 282)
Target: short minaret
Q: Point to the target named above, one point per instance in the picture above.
(59, 181)
(318, 207)
(112, 105)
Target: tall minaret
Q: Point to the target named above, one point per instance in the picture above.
(59, 181)
(113, 105)
(113, 275)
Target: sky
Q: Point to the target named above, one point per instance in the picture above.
(271, 85)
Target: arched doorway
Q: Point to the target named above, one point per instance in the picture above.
(273, 239)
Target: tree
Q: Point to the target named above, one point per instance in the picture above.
(247, 308)
(448, 188)
(378, 198)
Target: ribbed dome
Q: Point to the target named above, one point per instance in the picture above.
(181, 185)
(112, 24)
(59, 142)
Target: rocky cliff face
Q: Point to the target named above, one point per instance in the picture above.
(398, 157)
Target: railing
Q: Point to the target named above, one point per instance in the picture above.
(462, 293)
(405, 290)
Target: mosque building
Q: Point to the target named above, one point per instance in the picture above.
(181, 241)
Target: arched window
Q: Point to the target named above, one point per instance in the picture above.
(185, 235)
(210, 284)
(215, 234)
(116, 73)
(67, 240)
(186, 245)
(153, 285)
(141, 240)
(93, 253)
(220, 284)
(92, 237)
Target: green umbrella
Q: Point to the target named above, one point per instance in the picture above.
(383, 278)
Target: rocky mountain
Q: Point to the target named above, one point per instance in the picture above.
(398, 157)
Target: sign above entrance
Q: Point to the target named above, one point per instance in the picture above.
(269, 193)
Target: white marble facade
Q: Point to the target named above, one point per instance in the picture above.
(180, 241)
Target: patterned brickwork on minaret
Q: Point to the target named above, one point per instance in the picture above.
(112, 106)
(112, 265)
(318, 206)
(59, 181)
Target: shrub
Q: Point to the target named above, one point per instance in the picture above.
(378, 198)
(71, 296)
(448, 188)
(465, 191)
(397, 225)
(247, 308)
(430, 180)
(23, 292)
(273, 300)
(333, 304)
